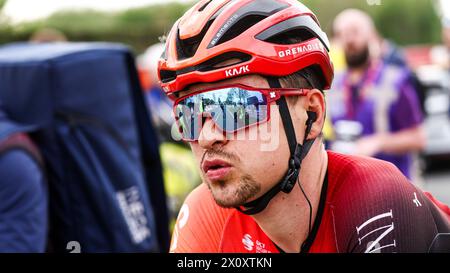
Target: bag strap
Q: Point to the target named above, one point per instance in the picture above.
(23, 142)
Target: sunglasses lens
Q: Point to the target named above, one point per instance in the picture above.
(231, 109)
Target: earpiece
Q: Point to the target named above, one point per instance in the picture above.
(312, 116)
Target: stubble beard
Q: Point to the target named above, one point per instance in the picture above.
(227, 195)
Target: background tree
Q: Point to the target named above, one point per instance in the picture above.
(404, 21)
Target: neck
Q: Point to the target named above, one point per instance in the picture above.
(356, 73)
(286, 219)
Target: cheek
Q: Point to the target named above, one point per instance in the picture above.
(197, 151)
(266, 157)
(262, 150)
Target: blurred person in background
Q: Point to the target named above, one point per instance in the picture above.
(180, 172)
(23, 191)
(391, 54)
(446, 37)
(159, 104)
(446, 40)
(373, 104)
(47, 35)
(440, 54)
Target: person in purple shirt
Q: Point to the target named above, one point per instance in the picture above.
(373, 105)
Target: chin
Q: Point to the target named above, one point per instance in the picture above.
(230, 195)
(226, 196)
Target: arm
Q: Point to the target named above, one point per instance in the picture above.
(401, 142)
(23, 204)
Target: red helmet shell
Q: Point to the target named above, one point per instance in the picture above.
(216, 30)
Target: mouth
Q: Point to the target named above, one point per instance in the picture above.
(216, 169)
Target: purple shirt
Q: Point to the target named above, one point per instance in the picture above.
(383, 101)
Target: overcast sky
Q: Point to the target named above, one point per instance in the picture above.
(26, 10)
(445, 4)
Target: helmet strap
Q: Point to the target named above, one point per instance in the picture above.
(297, 153)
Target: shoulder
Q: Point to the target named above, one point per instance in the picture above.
(200, 223)
(364, 174)
(375, 207)
(20, 173)
(369, 182)
(23, 206)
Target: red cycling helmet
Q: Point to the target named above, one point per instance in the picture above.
(214, 31)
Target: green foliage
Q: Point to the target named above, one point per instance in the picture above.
(404, 21)
(139, 27)
(2, 3)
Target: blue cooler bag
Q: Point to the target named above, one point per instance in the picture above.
(82, 105)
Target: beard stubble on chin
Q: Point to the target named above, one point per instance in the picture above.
(232, 192)
(225, 197)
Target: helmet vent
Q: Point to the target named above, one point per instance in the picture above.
(242, 25)
(204, 6)
(167, 75)
(245, 18)
(293, 36)
(218, 61)
(294, 30)
(214, 63)
(188, 47)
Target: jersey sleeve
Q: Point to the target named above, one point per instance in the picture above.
(200, 224)
(23, 205)
(378, 210)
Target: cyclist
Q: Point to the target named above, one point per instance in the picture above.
(269, 185)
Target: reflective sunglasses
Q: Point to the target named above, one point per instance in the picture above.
(231, 108)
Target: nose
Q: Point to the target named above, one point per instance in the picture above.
(210, 135)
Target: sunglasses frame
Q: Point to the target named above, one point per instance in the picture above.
(271, 95)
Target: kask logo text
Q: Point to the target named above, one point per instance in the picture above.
(237, 71)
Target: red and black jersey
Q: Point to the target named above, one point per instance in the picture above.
(366, 206)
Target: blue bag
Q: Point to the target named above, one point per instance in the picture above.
(82, 105)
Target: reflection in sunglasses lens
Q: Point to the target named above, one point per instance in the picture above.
(231, 109)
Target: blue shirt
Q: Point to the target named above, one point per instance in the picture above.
(23, 204)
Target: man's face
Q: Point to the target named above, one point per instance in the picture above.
(241, 169)
(354, 38)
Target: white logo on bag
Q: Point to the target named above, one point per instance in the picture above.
(134, 213)
(74, 247)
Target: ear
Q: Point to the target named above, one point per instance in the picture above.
(315, 102)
